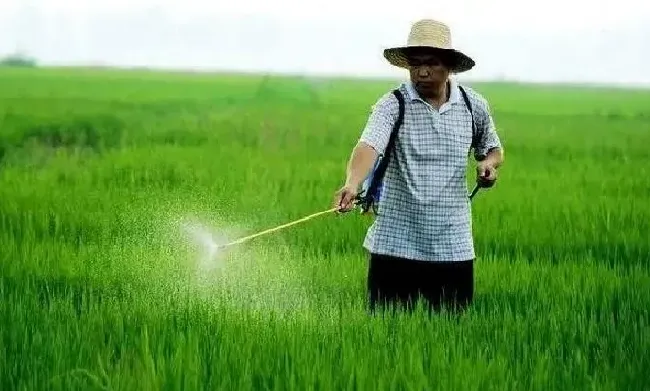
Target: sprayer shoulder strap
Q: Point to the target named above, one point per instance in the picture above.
(383, 163)
(471, 112)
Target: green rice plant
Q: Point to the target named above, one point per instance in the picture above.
(116, 184)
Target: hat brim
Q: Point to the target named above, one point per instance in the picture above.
(457, 60)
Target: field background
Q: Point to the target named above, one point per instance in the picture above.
(110, 182)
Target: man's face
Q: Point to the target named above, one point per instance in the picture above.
(428, 72)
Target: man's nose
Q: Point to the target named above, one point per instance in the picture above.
(423, 72)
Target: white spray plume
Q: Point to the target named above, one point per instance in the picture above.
(206, 243)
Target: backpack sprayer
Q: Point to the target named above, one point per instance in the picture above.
(371, 193)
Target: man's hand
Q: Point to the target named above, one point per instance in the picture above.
(486, 169)
(344, 198)
(486, 174)
(362, 159)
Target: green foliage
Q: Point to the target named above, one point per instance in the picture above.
(18, 60)
(108, 179)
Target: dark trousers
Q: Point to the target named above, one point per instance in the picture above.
(400, 283)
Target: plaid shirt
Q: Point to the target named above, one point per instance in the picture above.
(424, 210)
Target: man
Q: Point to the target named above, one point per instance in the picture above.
(421, 243)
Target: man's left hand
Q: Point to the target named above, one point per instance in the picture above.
(486, 173)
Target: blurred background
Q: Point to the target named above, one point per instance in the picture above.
(579, 41)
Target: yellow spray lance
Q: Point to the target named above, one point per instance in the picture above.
(301, 220)
(270, 230)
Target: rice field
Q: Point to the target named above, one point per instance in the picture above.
(114, 184)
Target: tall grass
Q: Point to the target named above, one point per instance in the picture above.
(110, 182)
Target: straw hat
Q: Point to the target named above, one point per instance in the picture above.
(430, 34)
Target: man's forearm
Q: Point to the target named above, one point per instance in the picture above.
(361, 162)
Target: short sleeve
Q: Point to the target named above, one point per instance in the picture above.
(488, 137)
(379, 125)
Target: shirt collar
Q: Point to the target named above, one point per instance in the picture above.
(454, 96)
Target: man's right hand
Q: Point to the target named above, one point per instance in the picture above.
(362, 159)
(344, 198)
